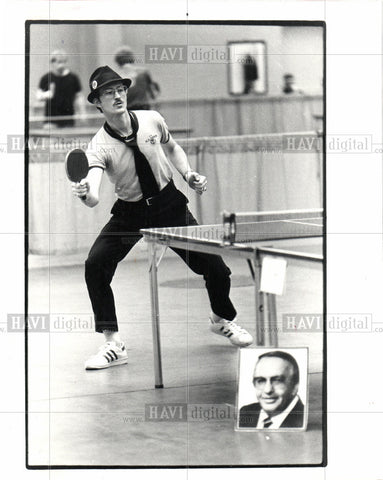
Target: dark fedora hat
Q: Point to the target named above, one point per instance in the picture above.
(101, 77)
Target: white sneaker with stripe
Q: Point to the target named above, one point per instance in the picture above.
(109, 354)
(237, 335)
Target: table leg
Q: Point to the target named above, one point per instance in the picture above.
(152, 253)
(259, 305)
(272, 320)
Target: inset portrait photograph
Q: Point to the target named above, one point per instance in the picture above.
(272, 389)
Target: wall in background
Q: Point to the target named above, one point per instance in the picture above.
(302, 53)
(296, 50)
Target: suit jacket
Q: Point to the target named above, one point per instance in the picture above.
(249, 415)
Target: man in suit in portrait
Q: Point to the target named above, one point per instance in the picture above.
(276, 382)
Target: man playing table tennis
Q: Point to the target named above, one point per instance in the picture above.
(135, 148)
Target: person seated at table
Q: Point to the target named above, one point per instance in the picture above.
(289, 85)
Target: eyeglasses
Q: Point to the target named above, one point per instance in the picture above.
(275, 381)
(111, 92)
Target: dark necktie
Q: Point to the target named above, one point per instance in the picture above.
(145, 174)
(267, 422)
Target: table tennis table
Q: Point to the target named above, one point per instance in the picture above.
(292, 235)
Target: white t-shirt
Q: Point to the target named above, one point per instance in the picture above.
(117, 159)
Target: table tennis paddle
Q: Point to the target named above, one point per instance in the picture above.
(76, 166)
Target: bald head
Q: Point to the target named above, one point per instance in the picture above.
(59, 61)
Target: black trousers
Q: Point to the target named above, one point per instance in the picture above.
(120, 235)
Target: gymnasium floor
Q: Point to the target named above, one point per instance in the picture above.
(79, 417)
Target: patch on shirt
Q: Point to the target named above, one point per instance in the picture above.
(151, 139)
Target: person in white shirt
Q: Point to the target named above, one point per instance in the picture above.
(136, 150)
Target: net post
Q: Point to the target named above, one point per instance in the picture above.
(229, 228)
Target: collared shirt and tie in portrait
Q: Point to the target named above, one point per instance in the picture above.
(275, 389)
